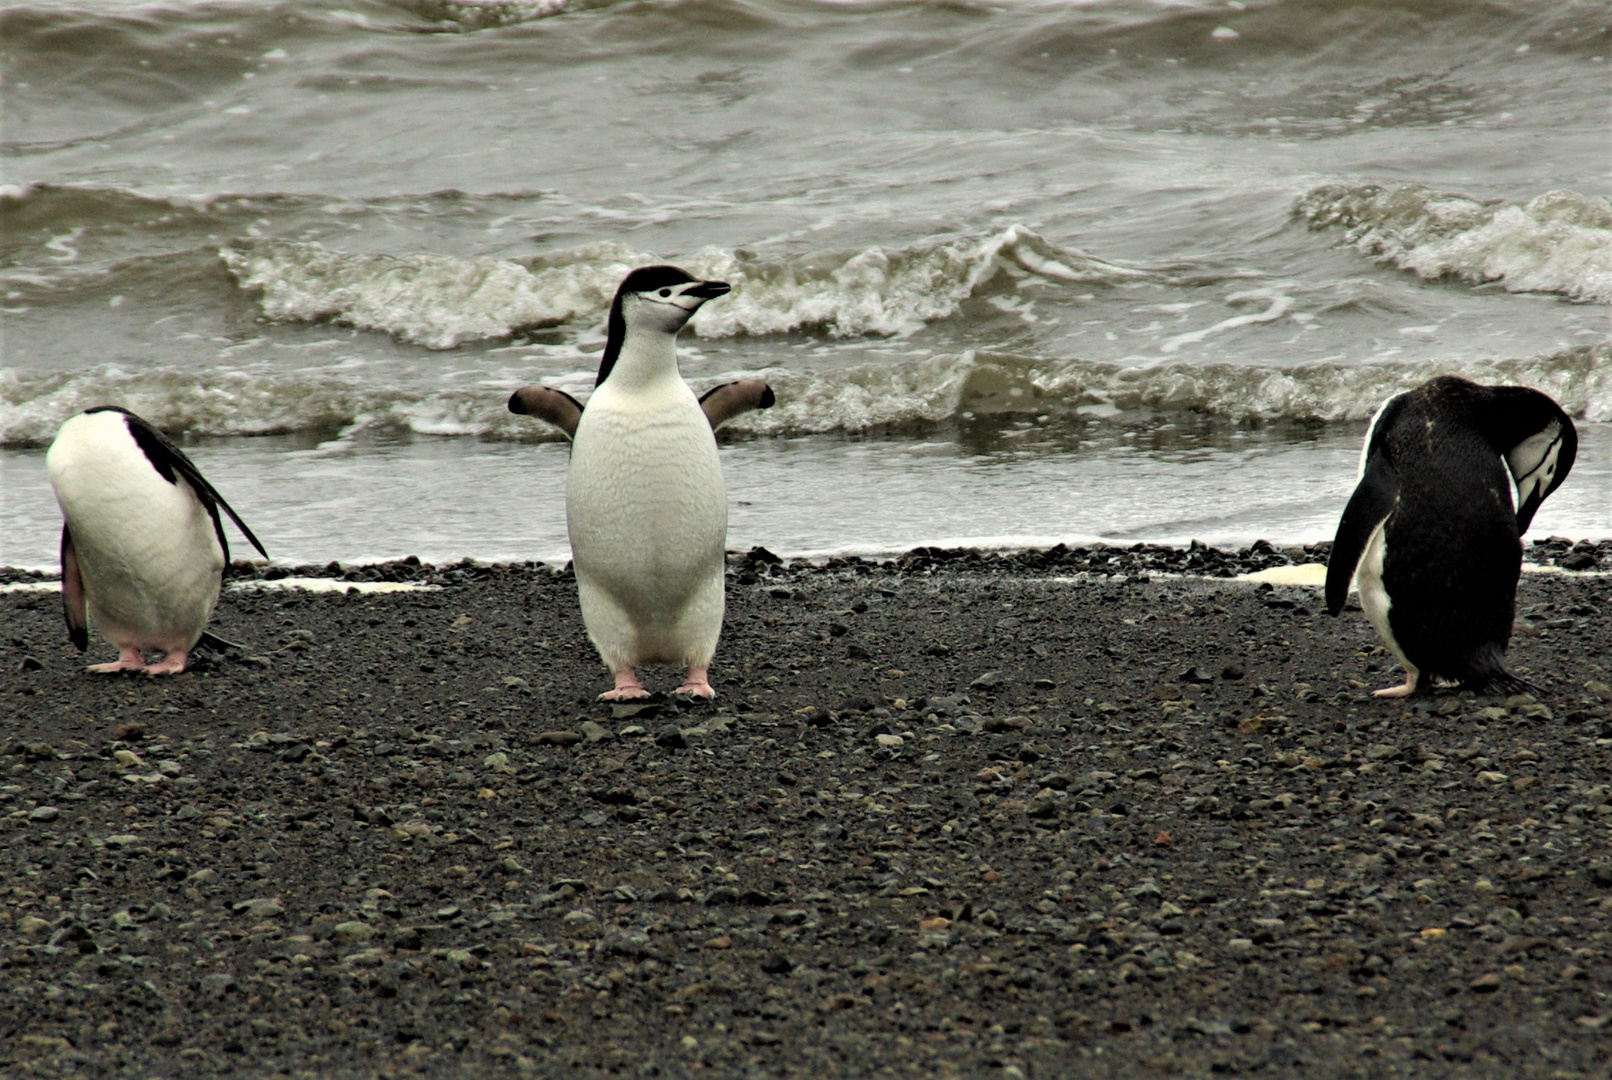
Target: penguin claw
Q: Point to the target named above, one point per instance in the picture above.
(701, 689)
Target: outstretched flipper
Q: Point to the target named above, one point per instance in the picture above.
(720, 403)
(556, 406)
(723, 403)
(1368, 507)
(73, 594)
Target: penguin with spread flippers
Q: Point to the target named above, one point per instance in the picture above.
(720, 403)
(1451, 475)
(143, 547)
(645, 505)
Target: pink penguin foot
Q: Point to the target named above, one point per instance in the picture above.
(172, 664)
(129, 659)
(696, 685)
(628, 688)
(1404, 689)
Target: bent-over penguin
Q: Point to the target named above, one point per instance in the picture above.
(143, 548)
(645, 504)
(1451, 475)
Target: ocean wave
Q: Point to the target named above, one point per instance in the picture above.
(852, 397)
(34, 213)
(433, 300)
(487, 14)
(253, 401)
(975, 383)
(440, 301)
(1559, 242)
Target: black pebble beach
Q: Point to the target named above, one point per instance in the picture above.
(1046, 814)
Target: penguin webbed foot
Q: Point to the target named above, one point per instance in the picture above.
(1404, 689)
(628, 688)
(133, 660)
(172, 664)
(696, 685)
(128, 660)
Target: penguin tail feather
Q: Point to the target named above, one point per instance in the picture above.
(1507, 683)
(218, 644)
(1488, 674)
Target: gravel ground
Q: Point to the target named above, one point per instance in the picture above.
(952, 815)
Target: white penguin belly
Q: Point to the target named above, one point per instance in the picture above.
(1374, 598)
(147, 551)
(647, 514)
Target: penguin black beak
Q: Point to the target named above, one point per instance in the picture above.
(708, 290)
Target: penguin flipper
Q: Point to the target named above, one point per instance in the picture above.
(73, 594)
(1371, 503)
(723, 403)
(170, 461)
(556, 406)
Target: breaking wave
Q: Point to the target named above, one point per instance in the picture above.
(973, 383)
(1559, 242)
(860, 396)
(439, 301)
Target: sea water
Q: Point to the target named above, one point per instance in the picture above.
(1018, 272)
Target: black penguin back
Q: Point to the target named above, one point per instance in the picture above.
(1452, 552)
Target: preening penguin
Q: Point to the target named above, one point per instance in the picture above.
(1451, 475)
(143, 547)
(645, 504)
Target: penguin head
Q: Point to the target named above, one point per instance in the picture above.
(653, 300)
(1537, 440)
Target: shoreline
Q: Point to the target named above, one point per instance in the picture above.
(952, 815)
(1104, 560)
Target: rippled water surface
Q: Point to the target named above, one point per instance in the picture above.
(1018, 272)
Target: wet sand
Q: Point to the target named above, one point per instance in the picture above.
(956, 815)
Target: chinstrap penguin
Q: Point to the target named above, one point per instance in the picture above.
(143, 548)
(1451, 474)
(645, 504)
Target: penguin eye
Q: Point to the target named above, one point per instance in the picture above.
(666, 292)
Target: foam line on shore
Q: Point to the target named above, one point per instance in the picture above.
(306, 584)
(334, 585)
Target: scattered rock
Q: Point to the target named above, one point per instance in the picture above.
(262, 907)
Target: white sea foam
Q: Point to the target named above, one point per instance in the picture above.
(439, 301)
(431, 300)
(1559, 242)
(480, 14)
